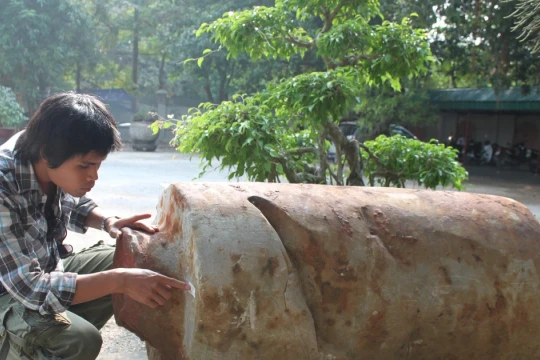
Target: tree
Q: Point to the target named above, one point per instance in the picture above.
(219, 76)
(283, 130)
(11, 113)
(528, 21)
(38, 50)
(476, 47)
(473, 41)
(148, 54)
(397, 159)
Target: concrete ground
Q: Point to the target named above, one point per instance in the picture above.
(131, 182)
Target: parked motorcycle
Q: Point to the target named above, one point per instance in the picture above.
(515, 157)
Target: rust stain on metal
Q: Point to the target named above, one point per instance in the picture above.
(170, 223)
(375, 331)
(237, 268)
(271, 265)
(344, 222)
(445, 275)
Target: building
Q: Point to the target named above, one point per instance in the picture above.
(505, 117)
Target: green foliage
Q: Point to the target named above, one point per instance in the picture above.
(474, 41)
(38, 49)
(209, 72)
(356, 42)
(242, 134)
(259, 32)
(355, 51)
(477, 47)
(397, 159)
(11, 113)
(342, 9)
(528, 22)
(317, 95)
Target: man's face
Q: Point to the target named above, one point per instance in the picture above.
(77, 175)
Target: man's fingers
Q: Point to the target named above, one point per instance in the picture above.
(114, 233)
(136, 218)
(147, 228)
(159, 299)
(163, 291)
(174, 283)
(152, 303)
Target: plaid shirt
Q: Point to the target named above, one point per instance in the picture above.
(31, 270)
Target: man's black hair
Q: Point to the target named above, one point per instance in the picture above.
(66, 125)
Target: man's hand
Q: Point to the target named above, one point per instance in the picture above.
(114, 226)
(148, 287)
(144, 286)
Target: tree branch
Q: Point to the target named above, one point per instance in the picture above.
(339, 142)
(330, 16)
(385, 173)
(352, 60)
(300, 151)
(336, 11)
(321, 145)
(312, 179)
(302, 177)
(371, 155)
(333, 175)
(295, 41)
(291, 176)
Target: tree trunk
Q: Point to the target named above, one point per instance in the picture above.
(43, 92)
(453, 78)
(161, 76)
(352, 154)
(321, 172)
(78, 76)
(135, 66)
(222, 95)
(207, 88)
(351, 151)
(232, 70)
(273, 174)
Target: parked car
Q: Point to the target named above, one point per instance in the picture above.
(352, 130)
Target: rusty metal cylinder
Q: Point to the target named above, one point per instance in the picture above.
(319, 272)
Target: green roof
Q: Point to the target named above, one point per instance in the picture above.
(487, 99)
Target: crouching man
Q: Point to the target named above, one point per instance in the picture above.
(53, 302)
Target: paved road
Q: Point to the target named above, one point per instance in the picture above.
(131, 182)
(522, 186)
